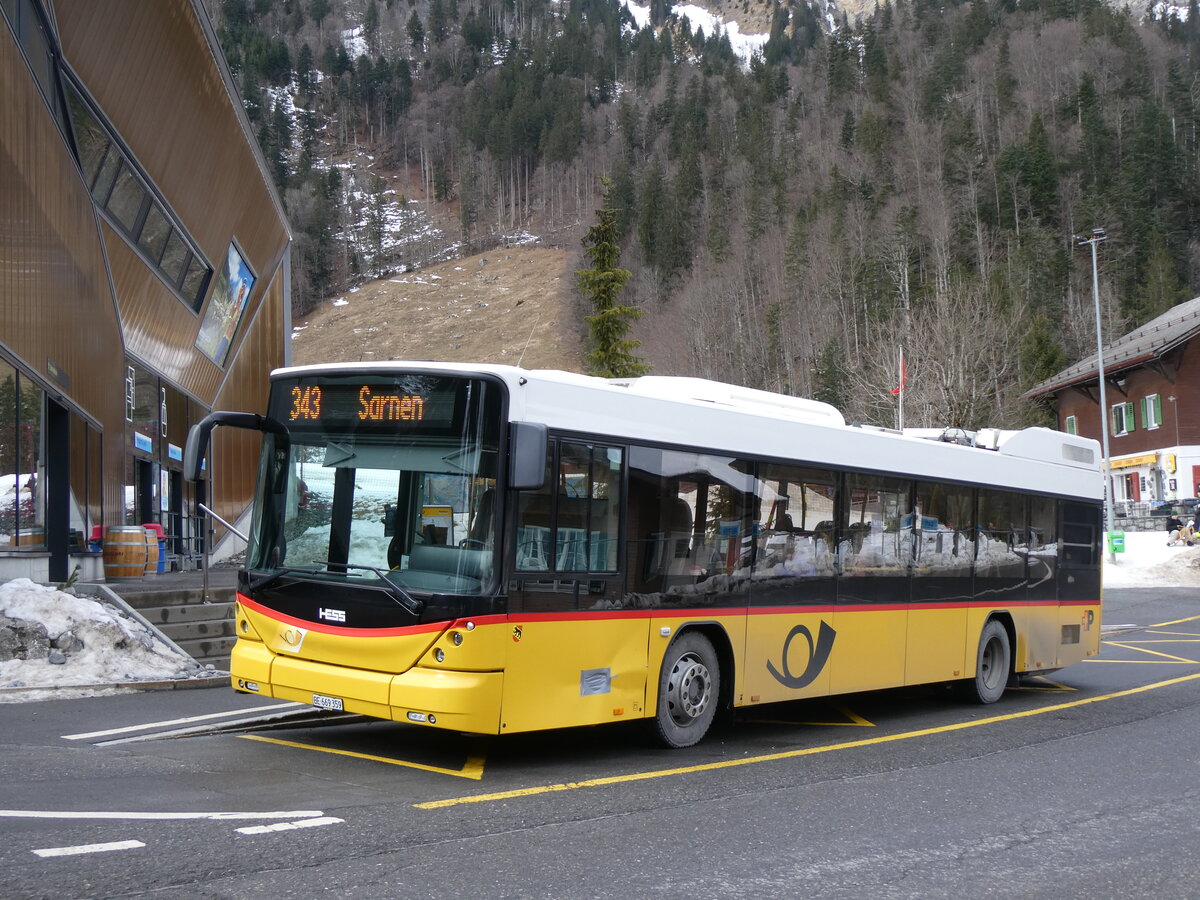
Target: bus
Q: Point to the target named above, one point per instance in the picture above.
(494, 550)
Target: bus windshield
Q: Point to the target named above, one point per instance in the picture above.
(384, 477)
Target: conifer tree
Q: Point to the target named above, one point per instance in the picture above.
(612, 353)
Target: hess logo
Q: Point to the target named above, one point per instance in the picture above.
(331, 615)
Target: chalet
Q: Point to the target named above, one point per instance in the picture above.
(1152, 382)
(144, 277)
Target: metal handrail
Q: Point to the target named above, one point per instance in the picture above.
(208, 543)
(223, 522)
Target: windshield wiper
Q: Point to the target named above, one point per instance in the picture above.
(399, 594)
(279, 573)
(402, 597)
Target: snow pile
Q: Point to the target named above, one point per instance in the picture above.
(1149, 562)
(50, 638)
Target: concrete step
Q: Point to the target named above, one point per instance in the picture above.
(215, 651)
(145, 599)
(187, 631)
(163, 616)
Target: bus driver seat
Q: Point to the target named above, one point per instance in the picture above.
(481, 525)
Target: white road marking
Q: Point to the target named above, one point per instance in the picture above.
(289, 826)
(88, 848)
(156, 816)
(189, 719)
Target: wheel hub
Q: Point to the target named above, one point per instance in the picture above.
(689, 689)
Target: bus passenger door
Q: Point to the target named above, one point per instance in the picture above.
(875, 550)
(789, 629)
(578, 656)
(1043, 633)
(942, 584)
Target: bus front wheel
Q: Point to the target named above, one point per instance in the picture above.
(992, 663)
(688, 690)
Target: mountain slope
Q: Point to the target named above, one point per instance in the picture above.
(512, 305)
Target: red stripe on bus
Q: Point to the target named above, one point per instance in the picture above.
(633, 614)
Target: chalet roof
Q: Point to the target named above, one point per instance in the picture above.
(1176, 326)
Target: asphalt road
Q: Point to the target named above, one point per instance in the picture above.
(1083, 784)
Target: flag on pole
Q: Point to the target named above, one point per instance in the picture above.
(899, 393)
(903, 375)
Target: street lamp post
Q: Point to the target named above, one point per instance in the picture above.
(1098, 237)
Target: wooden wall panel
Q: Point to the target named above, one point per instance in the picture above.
(168, 102)
(55, 301)
(235, 452)
(196, 151)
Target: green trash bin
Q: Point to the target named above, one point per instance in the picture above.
(1116, 542)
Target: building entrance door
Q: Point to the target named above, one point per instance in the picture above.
(58, 489)
(146, 511)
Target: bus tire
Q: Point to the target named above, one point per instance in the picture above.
(689, 686)
(992, 662)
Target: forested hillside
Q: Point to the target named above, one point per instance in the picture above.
(792, 220)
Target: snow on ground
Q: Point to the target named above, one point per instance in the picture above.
(50, 639)
(744, 45)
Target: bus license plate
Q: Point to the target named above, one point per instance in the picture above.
(323, 702)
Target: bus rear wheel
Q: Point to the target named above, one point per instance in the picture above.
(992, 663)
(688, 691)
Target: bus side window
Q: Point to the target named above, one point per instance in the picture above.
(534, 510)
(572, 524)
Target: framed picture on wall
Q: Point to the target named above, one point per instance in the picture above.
(225, 307)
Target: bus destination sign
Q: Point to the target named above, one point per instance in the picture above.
(410, 402)
(372, 405)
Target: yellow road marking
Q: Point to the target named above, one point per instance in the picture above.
(1142, 662)
(473, 768)
(853, 719)
(1182, 634)
(791, 754)
(1048, 687)
(1174, 622)
(1129, 646)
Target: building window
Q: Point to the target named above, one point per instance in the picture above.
(126, 195)
(1070, 426)
(1122, 419)
(1152, 411)
(33, 34)
(22, 475)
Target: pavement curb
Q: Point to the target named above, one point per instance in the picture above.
(219, 680)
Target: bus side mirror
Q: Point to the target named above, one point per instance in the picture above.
(527, 456)
(197, 440)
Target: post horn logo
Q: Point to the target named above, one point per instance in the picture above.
(818, 655)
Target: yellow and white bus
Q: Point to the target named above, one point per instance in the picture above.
(487, 549)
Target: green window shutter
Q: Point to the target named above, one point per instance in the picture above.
(1071, 428)
(1130, 423)
(1157, 410)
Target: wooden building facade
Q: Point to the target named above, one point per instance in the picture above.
(1152, 386)
(144, 276)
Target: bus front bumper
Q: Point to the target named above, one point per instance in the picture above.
(441, 698)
